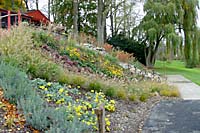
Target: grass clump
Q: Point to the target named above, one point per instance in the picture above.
(110, 91)
(95, 85)
(144, 97)
(132, 97)
(121, 94)
(170, 92)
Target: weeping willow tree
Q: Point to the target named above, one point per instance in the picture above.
(187, 10)
(196, 47)
(157, 25)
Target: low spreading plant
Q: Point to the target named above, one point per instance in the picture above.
(18, 89)
(77, 104)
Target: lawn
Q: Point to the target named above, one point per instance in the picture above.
(178, 67)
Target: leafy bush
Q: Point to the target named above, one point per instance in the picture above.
(128, 45)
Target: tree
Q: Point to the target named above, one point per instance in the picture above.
(157, 25)
(12, 5)
(189, 13)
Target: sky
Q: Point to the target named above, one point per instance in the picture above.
(138, 8)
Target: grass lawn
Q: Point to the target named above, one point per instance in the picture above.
(178, 67)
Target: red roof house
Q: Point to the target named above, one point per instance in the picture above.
(37, 17)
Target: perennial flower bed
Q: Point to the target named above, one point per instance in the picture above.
(95, 61)
(77, 103)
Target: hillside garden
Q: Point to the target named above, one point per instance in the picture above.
(53, 81)
(48, 76)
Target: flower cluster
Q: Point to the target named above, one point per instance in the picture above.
(73, 52)
(77, 104)
(113, 69)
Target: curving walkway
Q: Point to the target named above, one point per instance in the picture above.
(176, 116)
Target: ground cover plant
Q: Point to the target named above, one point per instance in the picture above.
(178, 67)
(79, 104)
(18, 89)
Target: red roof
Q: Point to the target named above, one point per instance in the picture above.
(38, 16)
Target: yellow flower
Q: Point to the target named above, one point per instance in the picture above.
(78, 87)
(61, 90)
(49, 95)
(112, 101)
(92, 91)
(45, 89)
(107, 129)
(49, 84)
(42, 87)
(107, 122)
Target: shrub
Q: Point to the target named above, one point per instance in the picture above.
(95, 85)
(108, 48)
(128, 45)
(78, 80)
(14, 83)
(132, 97)
(144, 97)
(110, 91)
(124, 57)
(121, 94)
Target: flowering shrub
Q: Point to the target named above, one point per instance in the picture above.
(77, 104)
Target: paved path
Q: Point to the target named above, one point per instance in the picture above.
(182, 116)
(188, 89)
(174, 117)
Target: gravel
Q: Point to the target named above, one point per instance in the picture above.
(130, 116)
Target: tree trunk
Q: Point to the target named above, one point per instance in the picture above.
(49, 9)
(168, 52)
(111, 18)
(26, 3)
(36, 3)
(100, 23)
(75, 20)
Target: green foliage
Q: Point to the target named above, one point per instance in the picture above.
(128, 45)
(87, 15)
(110, 91)
(14, 83)
(132, 97)
(42, 37)
(95, 85)
(144, 97)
